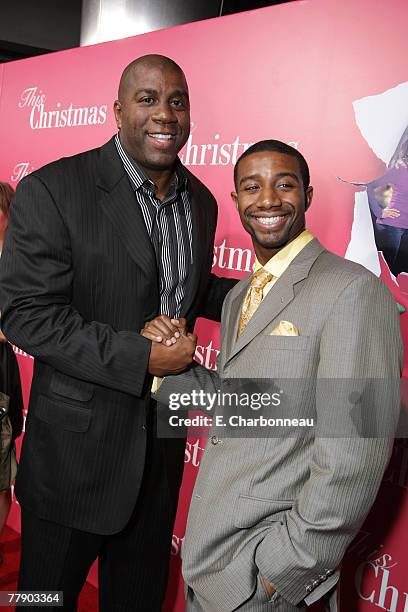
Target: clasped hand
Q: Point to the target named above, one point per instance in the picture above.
(172, 346)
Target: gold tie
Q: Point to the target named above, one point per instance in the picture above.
(253, 297)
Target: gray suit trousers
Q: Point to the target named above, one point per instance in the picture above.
(259, 602)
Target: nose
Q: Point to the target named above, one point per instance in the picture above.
(164, 113)
(269, 198)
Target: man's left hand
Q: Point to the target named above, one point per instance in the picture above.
(165, 330)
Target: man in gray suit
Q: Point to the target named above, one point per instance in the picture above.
(271, 516)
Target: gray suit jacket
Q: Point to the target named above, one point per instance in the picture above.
(288, 506)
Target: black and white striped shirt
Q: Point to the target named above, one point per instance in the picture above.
(169, 225)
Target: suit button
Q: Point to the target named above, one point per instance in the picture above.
(214, 440)
(309, 588)
(323, 577)
(144, 427)
(315, 583)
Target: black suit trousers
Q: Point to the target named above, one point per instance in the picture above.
(133, 564)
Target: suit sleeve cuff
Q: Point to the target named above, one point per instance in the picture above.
(134, 367)
(294, 575)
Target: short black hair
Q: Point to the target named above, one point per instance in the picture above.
(278, 147)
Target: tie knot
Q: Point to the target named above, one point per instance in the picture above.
(261, 278)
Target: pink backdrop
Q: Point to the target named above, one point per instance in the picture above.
(290, 72)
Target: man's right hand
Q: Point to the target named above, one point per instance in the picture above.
(2, 337)
(168, 360)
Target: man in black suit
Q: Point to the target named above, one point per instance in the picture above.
(98, 244)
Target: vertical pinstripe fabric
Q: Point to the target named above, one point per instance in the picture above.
(169, 226)
(258, 602)
(288, 505)
(78, 280)
(57, 557)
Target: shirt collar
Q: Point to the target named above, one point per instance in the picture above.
(138, 178)
(283, 258)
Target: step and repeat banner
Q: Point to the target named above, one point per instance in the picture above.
(330, 79)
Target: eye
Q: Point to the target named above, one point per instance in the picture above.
(251, 187)
(285, 186)
(147, 100)
(177, 103)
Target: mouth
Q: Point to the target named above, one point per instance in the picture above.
(270, 221)
(161, 139)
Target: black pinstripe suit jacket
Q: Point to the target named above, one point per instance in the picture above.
(78, 281)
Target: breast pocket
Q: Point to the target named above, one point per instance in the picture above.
(285, 356)
(285, 343)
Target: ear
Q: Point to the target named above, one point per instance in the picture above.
(234, 198)
(309, 197)
(117, 109)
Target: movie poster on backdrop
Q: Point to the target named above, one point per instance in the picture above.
(330, 79)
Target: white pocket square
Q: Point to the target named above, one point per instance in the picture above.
(285, 328)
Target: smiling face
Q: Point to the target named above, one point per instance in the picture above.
(271, 200)
(153, 115)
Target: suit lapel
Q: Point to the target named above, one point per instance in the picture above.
(229, 339)
(281, 294)
(118, 202)
(277, 299)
